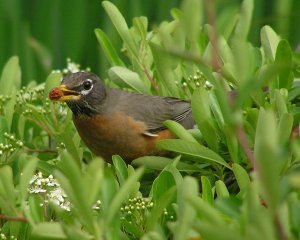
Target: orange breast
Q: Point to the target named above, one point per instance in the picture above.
(118, 134)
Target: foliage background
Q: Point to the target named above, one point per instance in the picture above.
(45, 33)
(235, 177)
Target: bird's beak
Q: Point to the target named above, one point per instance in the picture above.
(63, 94)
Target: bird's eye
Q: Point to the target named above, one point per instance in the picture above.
(87, 85)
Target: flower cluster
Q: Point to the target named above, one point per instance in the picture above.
(33, 96)
(31, 102)
(30, 95)
(50, 188)
(72, 67)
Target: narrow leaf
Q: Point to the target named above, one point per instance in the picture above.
(193, 150)
(124, 77)
(108, 49)
(179, 131)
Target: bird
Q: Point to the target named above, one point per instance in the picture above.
(112, 121)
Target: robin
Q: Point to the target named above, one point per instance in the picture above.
(112, 121)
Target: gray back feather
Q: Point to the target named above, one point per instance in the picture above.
(152, 110)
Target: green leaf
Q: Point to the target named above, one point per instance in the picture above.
(160, 205)
(10, 109)
(26, 175)
(205, 211)
(7, 190)
(39, 118)
(52, 81)
(221, 189)
(165, 69)
(202, 116)
(258, 216)
(267, 156)
(192, 18)
(75, 189)
(124, 77)
(186, 212)
(21, 126)
(159, 163)
(209, 231)
(285, 127)
(194, 150)
(161, 184)
(241, 176)
(153, 235)
(121, 26)
(207, 193)
(48, 231)
(3, 128)
(11, 76)
(75, 233)
(244, 23)
(284, 57)
(141, 25)
(108, 49)
(131, 229)
(179, 131)
(109, 191)
(280, 101)
(122, 194)
(269, 41)
(120, 168)
(93, 178)
(72, 149)
(232, 144)
(35, 213)
(267, 73)
(227, 21)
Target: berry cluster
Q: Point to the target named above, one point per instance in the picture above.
(3, 100)
(4, 237)
(10, 146)
(197, 80)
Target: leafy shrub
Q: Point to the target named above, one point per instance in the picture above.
(234, 177)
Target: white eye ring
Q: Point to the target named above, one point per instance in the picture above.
(87, 91)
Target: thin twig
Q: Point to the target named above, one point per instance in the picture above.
(46, 150)
(241, 135)
(54, 115)
(42, 125)
(151, 79)
(211, 14)
(280, 229)
(216, 63)
(13, 218)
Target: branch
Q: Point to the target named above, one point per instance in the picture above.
(46, 150)
(241, 135)
(151, 79)
(211, 14)
(13, 218)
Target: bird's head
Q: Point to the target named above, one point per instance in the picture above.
(82, 91)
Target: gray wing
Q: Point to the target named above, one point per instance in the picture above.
(152, 110)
